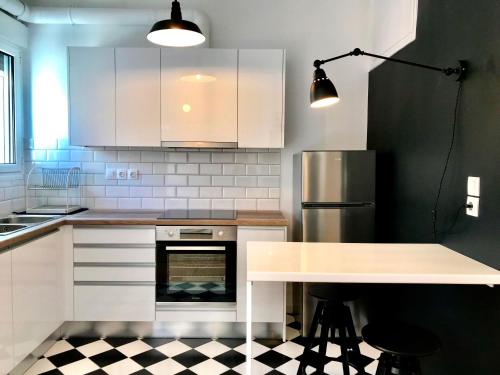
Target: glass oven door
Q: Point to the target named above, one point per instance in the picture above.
(196, 271)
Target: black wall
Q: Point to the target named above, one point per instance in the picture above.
(409, 124)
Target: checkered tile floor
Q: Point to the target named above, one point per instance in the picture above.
(124, 356)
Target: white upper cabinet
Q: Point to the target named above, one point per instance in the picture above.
(138, 97)
(199, 95)
(261, 88)
(92, 96)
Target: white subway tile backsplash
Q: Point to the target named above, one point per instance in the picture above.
(164, 191)
(270, 158)
(187, 192)
(199, 204)
(175, 180)
(234, 169)
(211, 169)
(199, 180)
(220, 157)
(153, 203)
(269, 181)
(176, 203)
(233, 192)
(106, 156)
(156, 156)
(222, 181)
(210, 192)
(222, 204)
(257, 170)
(199, 157)
(268, 204)
(187, 168)
(141, 191)
(245, 179)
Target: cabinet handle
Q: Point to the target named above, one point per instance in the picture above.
(114, 283)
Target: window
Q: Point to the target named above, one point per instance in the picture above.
(7, 110)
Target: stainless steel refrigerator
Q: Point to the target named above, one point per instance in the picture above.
(334, 197)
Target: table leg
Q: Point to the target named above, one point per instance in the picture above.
(249, 329)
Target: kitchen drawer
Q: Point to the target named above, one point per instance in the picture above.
(114, 273)
(114, 302)
(118, 254)
(195, 316)
(116, 235)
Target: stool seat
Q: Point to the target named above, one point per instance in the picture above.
(400, 339)
(335, 292)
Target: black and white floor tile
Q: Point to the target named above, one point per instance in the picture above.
(165, 356)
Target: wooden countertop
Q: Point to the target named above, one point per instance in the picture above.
(118, 217)
(364, 263)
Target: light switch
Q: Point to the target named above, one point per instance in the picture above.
(110, 174)
(472, 208)
(121, 173)
(473, 186)
(132, 174)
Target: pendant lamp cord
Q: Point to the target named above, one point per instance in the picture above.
(445, 168)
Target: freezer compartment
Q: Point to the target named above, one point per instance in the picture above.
(339, 224)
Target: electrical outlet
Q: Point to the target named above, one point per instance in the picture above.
(473, 186)
(472, 208)
(121, 174)
(110, 174)
(132, 174)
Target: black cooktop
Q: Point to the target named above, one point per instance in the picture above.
(199, 214)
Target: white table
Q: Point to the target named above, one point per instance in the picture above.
(358, 263)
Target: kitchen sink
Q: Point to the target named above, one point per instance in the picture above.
(14, 223)
(10, 228)
(26, 219)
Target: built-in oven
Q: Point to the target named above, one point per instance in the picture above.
(195, 264)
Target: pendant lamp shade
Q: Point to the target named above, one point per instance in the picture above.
(176, 32)
(323, 92)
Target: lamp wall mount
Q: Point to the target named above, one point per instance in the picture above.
(459, 71)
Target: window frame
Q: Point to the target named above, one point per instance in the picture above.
(16, 53)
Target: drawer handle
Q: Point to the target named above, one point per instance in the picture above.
(115, 246)
(114, 283)
(124, 265)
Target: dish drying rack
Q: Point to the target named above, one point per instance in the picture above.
(53, 190)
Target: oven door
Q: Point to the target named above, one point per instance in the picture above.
(196, 271)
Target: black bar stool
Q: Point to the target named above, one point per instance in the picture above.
(333, 316)
(402, 346)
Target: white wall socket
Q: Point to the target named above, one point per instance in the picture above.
(110, 174)
(132, 174)
(473, 186)
(473, 206)
(121, 174)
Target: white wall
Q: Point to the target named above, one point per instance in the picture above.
(307, 30)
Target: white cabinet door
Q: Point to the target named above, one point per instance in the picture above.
(92, 96)
(38, 292)
(138, 97)
(261, 93)
(268, 298)
(6, 347)
(199, 95)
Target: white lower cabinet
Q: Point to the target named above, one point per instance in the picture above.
(38, 292)
(6, 344)
(114, 302)
(268, 297)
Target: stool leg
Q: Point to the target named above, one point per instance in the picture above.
(310, 337)
(351, 331)
(383, 367)
(343, 350)
(325, 327)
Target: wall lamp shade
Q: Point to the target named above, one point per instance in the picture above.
(176, 32)
(323, 93)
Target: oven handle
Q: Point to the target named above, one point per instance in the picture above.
(196, 248)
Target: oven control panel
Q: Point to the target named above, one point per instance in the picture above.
(196, 233)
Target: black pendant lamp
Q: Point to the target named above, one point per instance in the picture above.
(323, 93)
(176, 32)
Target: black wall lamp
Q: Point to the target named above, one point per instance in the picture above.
(323, 93)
